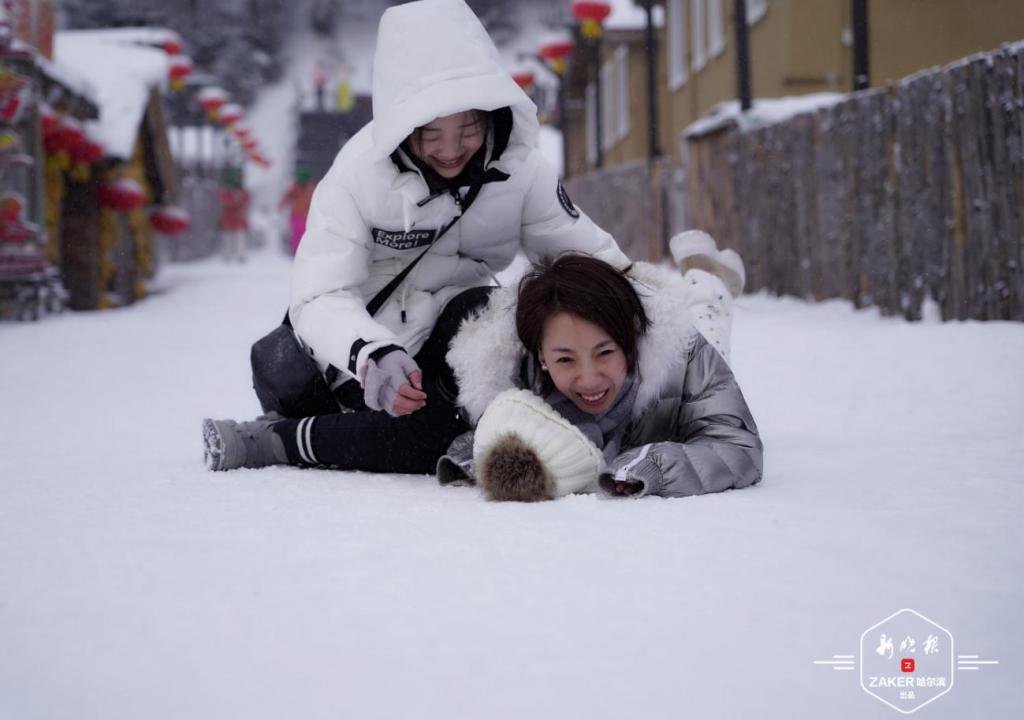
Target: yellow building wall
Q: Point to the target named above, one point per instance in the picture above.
(911, 35)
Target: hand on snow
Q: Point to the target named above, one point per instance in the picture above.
(634, 472)
(393, 383)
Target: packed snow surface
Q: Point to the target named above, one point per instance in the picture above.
(136, 584)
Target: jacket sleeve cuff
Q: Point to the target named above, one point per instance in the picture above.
(361, 353)
(645, 471)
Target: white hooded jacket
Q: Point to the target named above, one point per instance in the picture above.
(373, 213)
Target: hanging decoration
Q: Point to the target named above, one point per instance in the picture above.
(179, 67)
(61, 136)
(229, 114)
(11, 152)
(556, 51)
(83, 156)
(15, 96)
(14, 227)
(211, 99)
(591, 14)
(122, 195)
(169, 219)
(172, 45)
(523, 78)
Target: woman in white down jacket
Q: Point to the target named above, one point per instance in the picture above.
(449, 168)
(596, 379)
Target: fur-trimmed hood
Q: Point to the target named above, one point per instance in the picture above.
(486, 354)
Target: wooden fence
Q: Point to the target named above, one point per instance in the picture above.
(892, 195)
(632, 201)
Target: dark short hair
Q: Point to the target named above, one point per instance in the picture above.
(588, 288)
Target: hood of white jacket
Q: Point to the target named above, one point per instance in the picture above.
(486, 353)
(434, 58)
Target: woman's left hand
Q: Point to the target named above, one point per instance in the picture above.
(627, 488)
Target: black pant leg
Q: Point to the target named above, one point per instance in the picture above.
(374, 441)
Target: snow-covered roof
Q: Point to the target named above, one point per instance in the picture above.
(764, 111)
(627, 16)
(121, 71)
(131, 35)
(68, 77)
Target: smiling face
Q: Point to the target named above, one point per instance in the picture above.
(447, 143)
(584, 362)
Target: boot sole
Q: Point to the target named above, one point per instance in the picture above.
(213, 446)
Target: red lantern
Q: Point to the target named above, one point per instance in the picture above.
(556, 50)
(87, 152)
(64, 135)
(123, 194)
(212, 99)
(171, 46)
(591, 10)
(179, 67)
(170, 219)
(250, 144)
(591, 15)
(524, 79)
(241, 130)
(229, 114)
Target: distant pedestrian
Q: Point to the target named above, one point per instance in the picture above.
(234, 224)
(297, 199)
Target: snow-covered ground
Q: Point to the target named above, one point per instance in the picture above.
(135, 584)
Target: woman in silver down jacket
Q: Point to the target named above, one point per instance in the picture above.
(590, 378)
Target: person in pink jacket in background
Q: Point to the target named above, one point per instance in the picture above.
(298, 199)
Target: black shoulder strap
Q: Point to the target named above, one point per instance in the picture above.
(385, 292)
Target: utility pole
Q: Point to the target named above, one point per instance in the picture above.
(652, 82)
(861, 70)
(598, 130)
(742, 55)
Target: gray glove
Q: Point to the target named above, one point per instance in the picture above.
(637, 469)
(383, 377)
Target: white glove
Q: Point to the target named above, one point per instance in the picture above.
(524, 450)
(383, 378)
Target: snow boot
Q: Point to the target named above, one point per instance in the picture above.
(229, 444)
(695, 249)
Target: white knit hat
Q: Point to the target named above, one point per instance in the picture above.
(524, 450)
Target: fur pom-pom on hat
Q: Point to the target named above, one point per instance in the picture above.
(511, 470)
(524, 450)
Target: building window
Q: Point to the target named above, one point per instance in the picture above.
(716, 29)
(675, 17)
(622, 90)
(591, 102)
(697, 34)
(756, 10)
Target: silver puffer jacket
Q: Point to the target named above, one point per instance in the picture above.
(690, 430)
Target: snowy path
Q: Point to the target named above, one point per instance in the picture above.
(134, 584)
